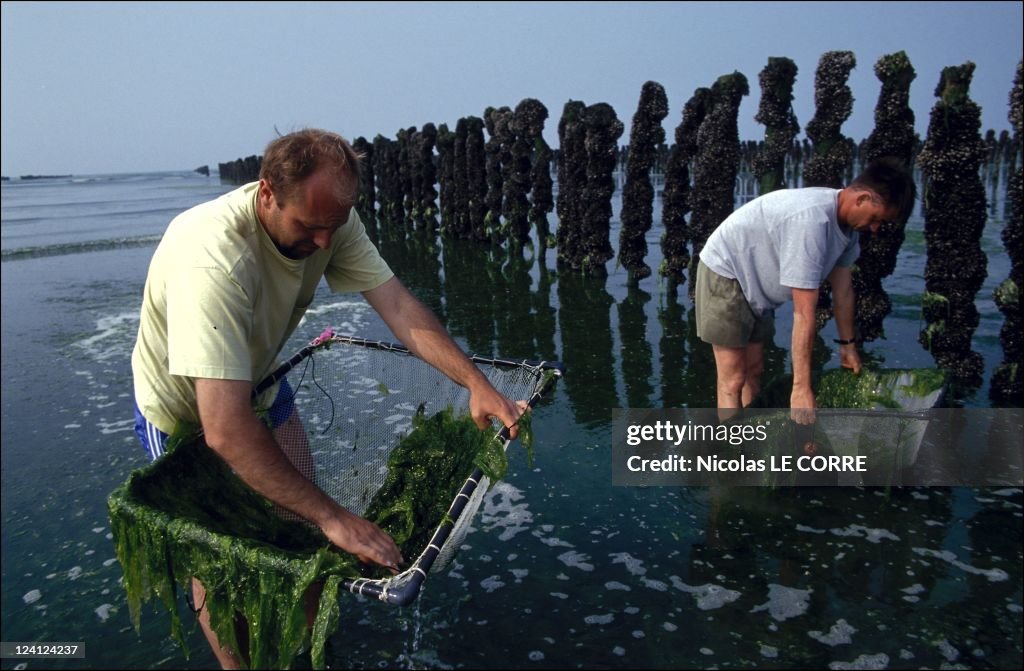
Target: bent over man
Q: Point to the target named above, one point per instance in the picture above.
(227, 286)
(780, 247)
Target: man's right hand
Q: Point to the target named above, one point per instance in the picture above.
(364, 539)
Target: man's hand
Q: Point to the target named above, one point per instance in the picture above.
(486, 403)
(364, 539)
(802, 405)
(850, 358)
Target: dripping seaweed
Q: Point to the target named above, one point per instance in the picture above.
(188, 515)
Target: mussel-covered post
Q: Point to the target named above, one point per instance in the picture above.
(1008, 378)
(385, 171)
(476, 179)
(675, 203)
(776, 114)
(717, 162)
(460, 182)
(572, 180)
(833, 152)
(954, 218)
(496, 120)
(526, 125)
(426, 177)
(366, 203)
(645, 137)
(894, 137)
(603, 132)
(445, 174)
(542, 199)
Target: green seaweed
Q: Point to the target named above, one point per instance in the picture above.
(187, 515)
(427, 469)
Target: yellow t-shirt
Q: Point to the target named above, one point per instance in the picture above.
(221, 301)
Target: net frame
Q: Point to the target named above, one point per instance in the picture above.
(402, 588)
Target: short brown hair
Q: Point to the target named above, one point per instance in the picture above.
(292, 158)
(890, 178)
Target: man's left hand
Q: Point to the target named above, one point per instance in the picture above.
(849, 357)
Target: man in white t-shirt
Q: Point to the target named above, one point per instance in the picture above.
(782, 246)
(227, 286)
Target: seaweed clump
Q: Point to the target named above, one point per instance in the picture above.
(425, 472)
(188, 515)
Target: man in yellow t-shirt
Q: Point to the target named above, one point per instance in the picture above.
(227, 286)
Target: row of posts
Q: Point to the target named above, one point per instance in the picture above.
(498, 190)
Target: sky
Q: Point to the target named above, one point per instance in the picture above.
(91, 88)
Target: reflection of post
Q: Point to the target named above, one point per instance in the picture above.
(472, 315)
(512, 302)
(545, 317)
(636, 348)
(672, 354)
(584, 318)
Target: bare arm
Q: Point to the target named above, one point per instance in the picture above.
(802, 404)
(418, 329)
(843, 301)
(236, 434)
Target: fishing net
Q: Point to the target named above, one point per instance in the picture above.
(381, 432)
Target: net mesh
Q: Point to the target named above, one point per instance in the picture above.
(354, 400)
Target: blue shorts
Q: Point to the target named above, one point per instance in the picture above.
(154, 441)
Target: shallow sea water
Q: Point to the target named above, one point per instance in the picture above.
(561, 569)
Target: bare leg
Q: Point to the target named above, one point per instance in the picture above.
(225, 657)
(731, 366)
(754, 354)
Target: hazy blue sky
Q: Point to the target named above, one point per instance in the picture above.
(111, 87)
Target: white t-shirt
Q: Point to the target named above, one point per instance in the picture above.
(787, 239)
(221, 301)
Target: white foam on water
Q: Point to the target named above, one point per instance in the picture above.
(869, 662)
(769, 651)
(492, 583)
(948, 650)
(74, 573)
(993, 574)
(535, 656)
(656, 585)
(615, 585)
(559, 595)
(115, 337)
(607, 618)
(916, 588)
(637, 633)
(574, 559)
(906, 654)
(551, 541)
(32, 596)
(117, 426)
(785, 602)
(619, 651)
(707, 651)
(501, 511)
(841, 633)
(519, 573)
(630, 610)
(98, 530)
(859, 531)
(103, 612)
(633, 565)
(708, 596)
(810, 530)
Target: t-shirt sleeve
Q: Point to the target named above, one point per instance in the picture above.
(209, 316)
(851, 253)
(802, 253)
(356, 265)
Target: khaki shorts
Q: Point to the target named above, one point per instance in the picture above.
(724, 316)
